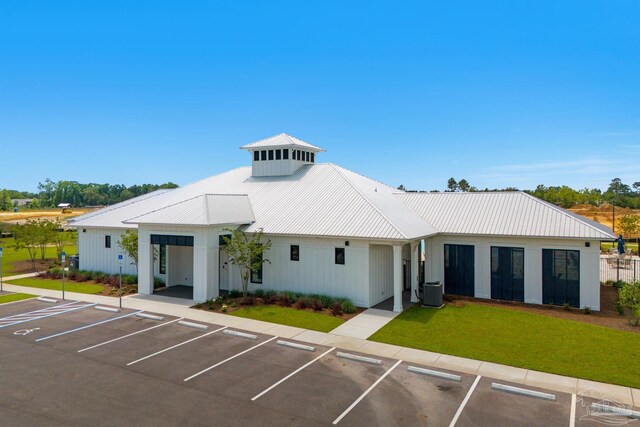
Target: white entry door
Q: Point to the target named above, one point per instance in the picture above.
(224, 271)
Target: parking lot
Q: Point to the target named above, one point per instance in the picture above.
(72, 363)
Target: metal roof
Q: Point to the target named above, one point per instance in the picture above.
(282, 140)
(317, 200)
(501, 214)
(207, 209)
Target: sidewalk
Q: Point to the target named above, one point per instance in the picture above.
(173, 307)
(365, 324)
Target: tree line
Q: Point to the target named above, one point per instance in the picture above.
(618, 193)
(51, 193)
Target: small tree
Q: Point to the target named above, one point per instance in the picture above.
(129, 244)
(246, 253)
(61, 239)
(629, 297)
(27, 237)
(46, 231)
(629, 224)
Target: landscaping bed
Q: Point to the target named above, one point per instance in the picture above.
(519, 338)
(317, 312)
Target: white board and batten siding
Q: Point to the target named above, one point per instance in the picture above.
(96, 257)
(589, 263)
(316, 272)
(380, 273)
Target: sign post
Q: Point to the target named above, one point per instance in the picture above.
(120, 279)
(63, 259)
(1, 269)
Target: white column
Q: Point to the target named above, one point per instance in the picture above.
(145, 264)
(415, 263)
(397, 278)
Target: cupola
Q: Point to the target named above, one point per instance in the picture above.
(280, 155)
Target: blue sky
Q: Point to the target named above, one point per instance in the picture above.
(512, 93)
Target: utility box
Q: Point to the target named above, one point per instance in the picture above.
(74, 262)
(432, 295)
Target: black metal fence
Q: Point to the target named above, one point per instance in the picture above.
(616, 269)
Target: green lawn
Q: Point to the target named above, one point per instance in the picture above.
(290, 317)
(628, 245)
(521, 339)
(10, 255)
(83, 288)
(14, 297)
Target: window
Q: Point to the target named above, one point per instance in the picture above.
(278, 154)
(163, 259)
(306, 155)
(256, 275)
(298, 154)
(270, 154)
(256, 156)
(107, 241)
(507, 273)
(340, 256)
(295, 253)
(313, 157)
(561, 277)
(293, 154)
(285, 154)
(263, 155)
(222, 239)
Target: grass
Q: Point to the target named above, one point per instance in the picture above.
(83, 288)
(14, 297)
(520, 339)
(290, 317)
(10, 255)
(605, 246)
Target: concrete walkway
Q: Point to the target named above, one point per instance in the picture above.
(365, 324)
(180, 308)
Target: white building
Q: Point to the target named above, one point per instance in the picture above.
(339, 233)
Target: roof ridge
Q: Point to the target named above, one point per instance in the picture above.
(395, 227)
(561, 210)
(164, 207)
(129, 202)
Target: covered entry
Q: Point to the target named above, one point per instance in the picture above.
(561, 277)
(175, 256)
(459, 270)
(507, 273)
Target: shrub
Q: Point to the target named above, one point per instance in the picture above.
(586, 309)
(566, 306)
(316, 304)
(259, 293)
(100, 278)
(235, 294)
(629, 297)
(81, 277)
(223, 308)
(327, 301)
(157, 283)
(269, 297)
(620, 308)
(247, 300)
(234, 304)
(336, 308)
(285, 299)
(129, 279)
(302, 303)
(346, 305)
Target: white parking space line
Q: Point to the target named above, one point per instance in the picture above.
(128, 335)
(572, 417)
(259, 395)
(464, 402)
(358, 400)
(91, 325)
(228, 359)
(41, 314)
(175, 346)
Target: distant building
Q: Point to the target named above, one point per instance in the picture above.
(21, 202)
(339, 233)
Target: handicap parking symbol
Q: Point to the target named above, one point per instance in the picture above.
(24, 332)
